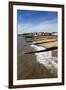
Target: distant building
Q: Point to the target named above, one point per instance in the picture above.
(28, 35)
(47, 34)
(55, 33)
(35, 34)
(38, 33)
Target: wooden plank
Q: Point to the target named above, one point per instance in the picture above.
(45, 50)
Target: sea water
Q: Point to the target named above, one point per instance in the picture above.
(46, 59)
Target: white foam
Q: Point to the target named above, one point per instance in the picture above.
(46, 59)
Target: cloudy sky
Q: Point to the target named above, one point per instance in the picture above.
(36, 21)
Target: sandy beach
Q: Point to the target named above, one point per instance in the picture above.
(34, 66)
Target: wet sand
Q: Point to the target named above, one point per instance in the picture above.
(28, 67)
